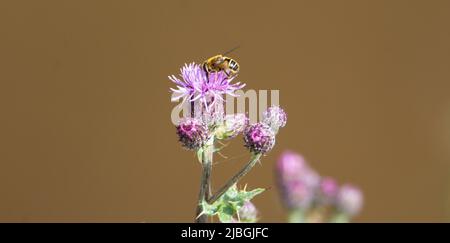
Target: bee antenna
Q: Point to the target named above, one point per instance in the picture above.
(231, 50)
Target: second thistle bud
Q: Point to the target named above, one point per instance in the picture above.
(275, 117)
(192, 133)
(259, 138)
(232, 126)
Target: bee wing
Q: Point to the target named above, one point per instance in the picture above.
(231, 50)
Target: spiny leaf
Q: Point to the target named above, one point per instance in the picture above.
(229, 204)
(251, 194)
(225, 218)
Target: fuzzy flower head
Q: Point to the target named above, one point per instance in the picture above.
(191, 78)
(192, 133)
(350, 200)
(232, 126)
(290, 165)
(259, 138)
(195, 84)
(328, 191)
(275, 117)
(297, 181)
(297, 195)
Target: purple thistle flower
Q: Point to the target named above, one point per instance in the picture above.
(195, 84)
(219, 84)
(349, 200)
(192, 133)
(275, 117)
(192, 78)
(259, 138)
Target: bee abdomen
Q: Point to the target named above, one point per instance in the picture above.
(233, 65)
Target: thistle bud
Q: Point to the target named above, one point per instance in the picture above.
(275, 117)
(328, 191)
(232, 126)
(350, 200)
(297, 195)
(259, 138)
(296, 180)
(290, 165)
(192, 133)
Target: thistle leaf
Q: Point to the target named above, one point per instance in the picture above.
(227, 206)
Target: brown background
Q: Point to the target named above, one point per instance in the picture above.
(85, 109)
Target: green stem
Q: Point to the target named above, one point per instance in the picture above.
(235, 178)
(205, 181)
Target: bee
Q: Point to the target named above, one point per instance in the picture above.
(220, 62)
